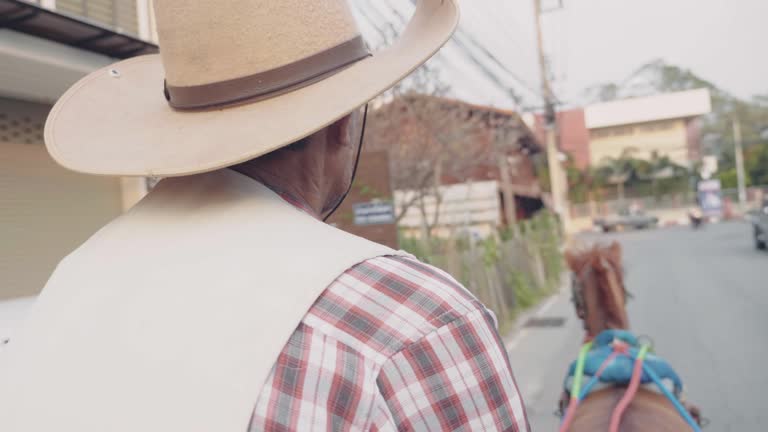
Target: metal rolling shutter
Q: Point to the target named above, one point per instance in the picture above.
(45, 210)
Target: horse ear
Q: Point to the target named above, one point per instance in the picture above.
(616, 252)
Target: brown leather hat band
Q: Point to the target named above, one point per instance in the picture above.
(271, 83)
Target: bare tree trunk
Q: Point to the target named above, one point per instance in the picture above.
(404, 207)
(424, 224)
(510, 207)
(438, 195)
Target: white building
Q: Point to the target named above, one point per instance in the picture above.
(666, 124)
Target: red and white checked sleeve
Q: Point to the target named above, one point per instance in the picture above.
(456, 378)
(393, 344)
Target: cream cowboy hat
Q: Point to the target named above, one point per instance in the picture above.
(235, 79)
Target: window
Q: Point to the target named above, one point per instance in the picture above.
(117, 14)
(612, 131)
(657, 126)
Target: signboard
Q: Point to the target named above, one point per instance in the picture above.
(374, 213)
(711, 198)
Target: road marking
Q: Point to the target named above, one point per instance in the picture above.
(514, 342)
(548, 304)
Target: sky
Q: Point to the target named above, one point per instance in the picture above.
(603, 40)
(595, 41)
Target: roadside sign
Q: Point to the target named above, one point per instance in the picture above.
(711, 198)
(374, 213)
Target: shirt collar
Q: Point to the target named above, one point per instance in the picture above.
(294, 201)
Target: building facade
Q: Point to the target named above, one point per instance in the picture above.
(656, 126)
(368, 210)
(457, 167)
(573, 135)
(45, 210)
(661, 125)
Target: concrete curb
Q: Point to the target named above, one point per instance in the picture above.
(536, 311)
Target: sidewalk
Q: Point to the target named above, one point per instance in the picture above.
(541, 355)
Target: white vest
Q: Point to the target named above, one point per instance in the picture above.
(171, 317)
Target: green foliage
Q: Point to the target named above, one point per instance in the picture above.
(346, 217)
(414, 246)
(655, 177)
(369, 192)
(522, 288)
(756, 164)
(717, 129)
(490, 252)
(503, 271)
(729, 179)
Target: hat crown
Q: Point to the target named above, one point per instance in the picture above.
(203, 42)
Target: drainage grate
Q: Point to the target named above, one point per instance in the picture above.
(546, 322)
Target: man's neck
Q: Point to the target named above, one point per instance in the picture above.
(293, 194)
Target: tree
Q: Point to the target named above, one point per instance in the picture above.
(428, 138)
(756, 164)
(660, 169)
(403, 124)
(605, 92)
(619, 170)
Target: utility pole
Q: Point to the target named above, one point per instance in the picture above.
(740, 176)
(558, 182)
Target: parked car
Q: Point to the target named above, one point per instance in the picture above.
(626, 218)
(760, 224)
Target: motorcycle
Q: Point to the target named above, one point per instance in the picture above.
(697, 218)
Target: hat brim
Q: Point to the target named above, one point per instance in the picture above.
(120, 124)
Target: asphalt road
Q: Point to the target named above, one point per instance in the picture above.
(702, 296)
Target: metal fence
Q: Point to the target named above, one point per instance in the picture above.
(509, 272)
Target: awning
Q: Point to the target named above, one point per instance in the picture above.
(70, 30)
(43, 52)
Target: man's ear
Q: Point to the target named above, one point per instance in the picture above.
(340, 132)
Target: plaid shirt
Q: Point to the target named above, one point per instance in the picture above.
(392, 344)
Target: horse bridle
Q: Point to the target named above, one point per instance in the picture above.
(577, 290)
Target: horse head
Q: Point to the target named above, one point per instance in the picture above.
(599, 293)
(600, 296)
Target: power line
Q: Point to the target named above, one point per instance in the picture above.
(368, 18)
(501, 65)
(469, 47)
(464, 47)
(503, 22)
